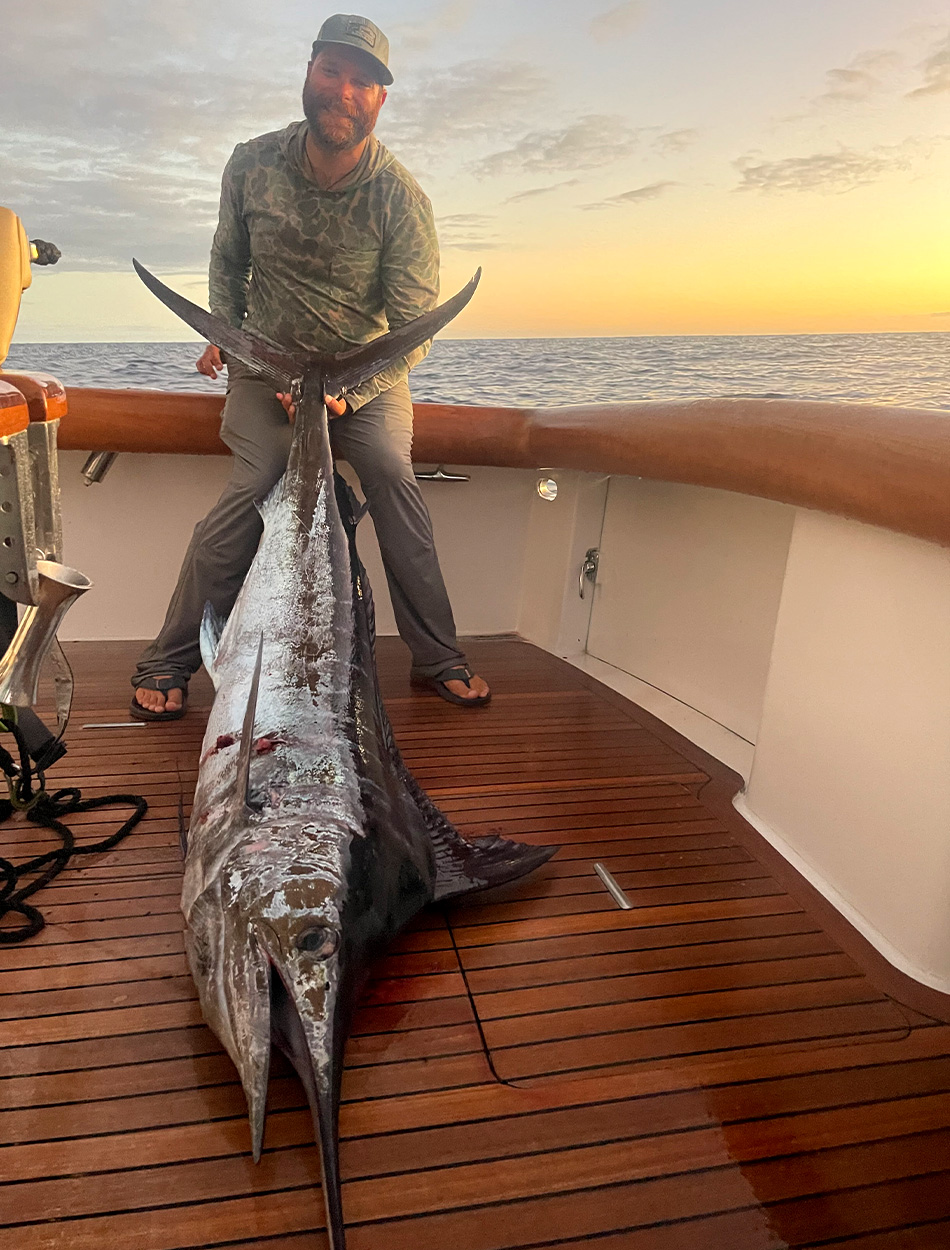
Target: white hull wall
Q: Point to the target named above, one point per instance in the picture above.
(688, 593)
(552, 613)
(851, 776)
(129, 533)
(810, 653)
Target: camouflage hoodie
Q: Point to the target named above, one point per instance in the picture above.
(323, 270)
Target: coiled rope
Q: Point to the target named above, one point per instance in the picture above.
(47, 811)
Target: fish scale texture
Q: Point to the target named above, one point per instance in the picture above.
(303, 697)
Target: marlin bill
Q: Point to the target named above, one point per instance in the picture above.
(310, 844)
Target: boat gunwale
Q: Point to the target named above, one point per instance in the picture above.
(882, 465)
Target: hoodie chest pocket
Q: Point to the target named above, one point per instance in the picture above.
(355, 272)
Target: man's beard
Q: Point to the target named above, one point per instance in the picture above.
(335, 129)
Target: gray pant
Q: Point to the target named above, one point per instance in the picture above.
(376, 440)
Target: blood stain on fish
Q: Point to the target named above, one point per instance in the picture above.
(264, 746)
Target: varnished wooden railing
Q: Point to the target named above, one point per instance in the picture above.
(882, 465)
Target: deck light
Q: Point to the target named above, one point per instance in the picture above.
(547, 487)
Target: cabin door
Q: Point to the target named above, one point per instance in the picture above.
(687, 594)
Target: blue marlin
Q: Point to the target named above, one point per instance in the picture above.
(310, 844)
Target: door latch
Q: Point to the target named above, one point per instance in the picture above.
(588, 569)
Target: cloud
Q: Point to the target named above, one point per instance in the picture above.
(478, 102)
(103, 217)
(119, 148)
(936, 69)
(671, 142)
(591, 142)
(534, 192)
(419, 36)
(638, 195)
(878, 70)
(833, 172)
(119, 151)
(864, 76)
(617, 22)
(468, 232)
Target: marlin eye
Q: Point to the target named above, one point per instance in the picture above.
(319, 942)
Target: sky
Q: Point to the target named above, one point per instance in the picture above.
(648, 167)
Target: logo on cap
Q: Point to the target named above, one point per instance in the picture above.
(362, 30)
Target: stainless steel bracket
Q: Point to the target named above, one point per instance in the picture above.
(98, 464)
(439, 475)
(18, 578)
(44, 465)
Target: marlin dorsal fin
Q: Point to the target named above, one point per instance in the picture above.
(243, 785)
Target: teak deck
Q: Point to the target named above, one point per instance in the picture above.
(707, 1071)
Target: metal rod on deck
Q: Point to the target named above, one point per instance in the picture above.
(615, 891)
(119, 724)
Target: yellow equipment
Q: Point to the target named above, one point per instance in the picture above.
(15, 275)
(31, 405)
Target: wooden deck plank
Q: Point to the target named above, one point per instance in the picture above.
(732, 957)
(605, 990)
(709, 1069)
(879, 1162)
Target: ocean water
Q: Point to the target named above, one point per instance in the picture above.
(906, 369)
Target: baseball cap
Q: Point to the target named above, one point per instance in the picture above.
(352, 31)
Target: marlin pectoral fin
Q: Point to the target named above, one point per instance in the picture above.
(464, 867)
(182, 827)
(485, 864)
(268, 359)
(244, 796)
(212, 627)
(347, 369)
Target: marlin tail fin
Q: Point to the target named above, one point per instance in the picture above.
(267, 359)
(282, 368)
(348, 369)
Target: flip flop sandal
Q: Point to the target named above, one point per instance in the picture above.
(163, 685)
(459, 673)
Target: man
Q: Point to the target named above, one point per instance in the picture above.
(323, 241)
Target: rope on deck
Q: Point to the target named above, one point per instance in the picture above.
(46, 810)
